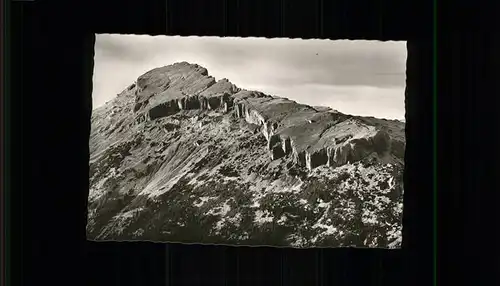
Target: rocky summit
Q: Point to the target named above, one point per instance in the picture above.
(180, 157)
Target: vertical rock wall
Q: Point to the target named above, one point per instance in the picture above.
(269, 115)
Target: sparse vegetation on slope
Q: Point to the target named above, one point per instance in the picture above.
(206, 171)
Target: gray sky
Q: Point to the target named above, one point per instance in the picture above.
(355, 77)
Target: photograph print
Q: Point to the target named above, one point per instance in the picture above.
(247, 141)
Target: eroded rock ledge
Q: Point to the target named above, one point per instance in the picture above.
(312, 136)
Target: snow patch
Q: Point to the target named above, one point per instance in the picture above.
(323, 204)
(282, 219)
(220, 210)
(202, 201)
(328, 229)
(398, 208)
(262, 217)
(369, 218)
(296, 240)
(138, 232)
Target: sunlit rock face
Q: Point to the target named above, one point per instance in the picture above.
(179, 156)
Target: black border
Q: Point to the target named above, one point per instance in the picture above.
(52, 108)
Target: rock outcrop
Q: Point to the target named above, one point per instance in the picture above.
(313, 136)
(179, 144)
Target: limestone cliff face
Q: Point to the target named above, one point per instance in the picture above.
(312, 136)
(177, 131)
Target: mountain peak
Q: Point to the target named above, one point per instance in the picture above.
(178, 147)
(312, 136)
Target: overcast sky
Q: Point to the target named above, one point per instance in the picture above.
(355, 77)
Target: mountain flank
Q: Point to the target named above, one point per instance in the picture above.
(179, 156)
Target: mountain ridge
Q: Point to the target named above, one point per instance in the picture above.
(176, 124)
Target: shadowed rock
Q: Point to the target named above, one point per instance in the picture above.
(164, 109)
(398, 148)
(316, 158)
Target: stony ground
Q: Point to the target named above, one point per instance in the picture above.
(206, 176)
